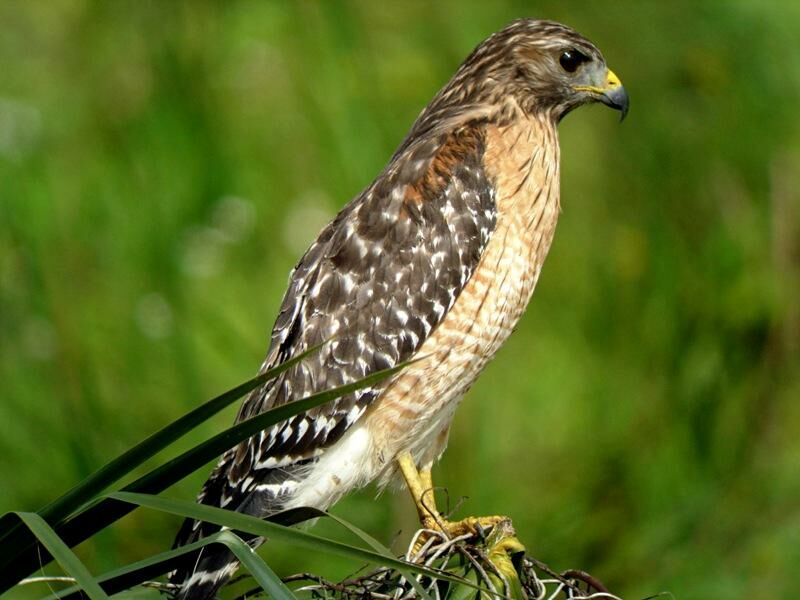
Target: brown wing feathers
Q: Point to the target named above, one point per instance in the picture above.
(379, 278)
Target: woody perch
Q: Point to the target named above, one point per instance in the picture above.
(436, 259)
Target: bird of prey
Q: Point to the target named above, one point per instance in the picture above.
(435, 260)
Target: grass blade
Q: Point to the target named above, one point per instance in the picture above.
(373, 543)
(383, 550)
(260, 571)
(241, 522)
(100, 514)
(63, 555)
(55, 512)
(154, 566)
(124, 464)
(136, 573)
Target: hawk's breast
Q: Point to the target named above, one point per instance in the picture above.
(522, 160)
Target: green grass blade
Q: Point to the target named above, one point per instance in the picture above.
(63, 555)
(466, 591)
(383, 550)
(136, 573)
(260, 571)
(102, 513)
(124, 464)
(241, 522)
(98, 481)
(373, 543)
(154, 566)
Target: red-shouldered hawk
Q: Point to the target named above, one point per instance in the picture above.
(437, 258)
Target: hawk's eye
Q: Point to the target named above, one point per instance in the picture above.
(572, 59)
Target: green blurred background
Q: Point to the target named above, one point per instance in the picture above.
(163, 165)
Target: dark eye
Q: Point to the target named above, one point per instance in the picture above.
(572, 59)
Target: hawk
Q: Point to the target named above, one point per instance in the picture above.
(435, 260)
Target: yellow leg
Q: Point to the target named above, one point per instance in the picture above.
(420, 484)
(427, 480)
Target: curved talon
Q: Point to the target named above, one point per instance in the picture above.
(478, 526)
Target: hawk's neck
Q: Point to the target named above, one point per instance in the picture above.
(522, 158)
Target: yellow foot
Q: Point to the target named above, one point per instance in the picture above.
(478, 526)
(483, 530)
(421, 487)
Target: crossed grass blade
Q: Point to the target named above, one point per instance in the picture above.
(100, 513)
(152, 567)
(61, 552)
(138, 572)
(302, 539)
(58, 510)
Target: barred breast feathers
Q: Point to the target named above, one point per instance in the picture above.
(415, 410)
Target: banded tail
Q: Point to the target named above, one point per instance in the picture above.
(210, 568)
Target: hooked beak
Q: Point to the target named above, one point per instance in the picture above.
(610, 92)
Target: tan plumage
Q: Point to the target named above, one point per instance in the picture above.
(436, 260)
(420, 403)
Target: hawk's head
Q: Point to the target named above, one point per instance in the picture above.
(545, 66)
